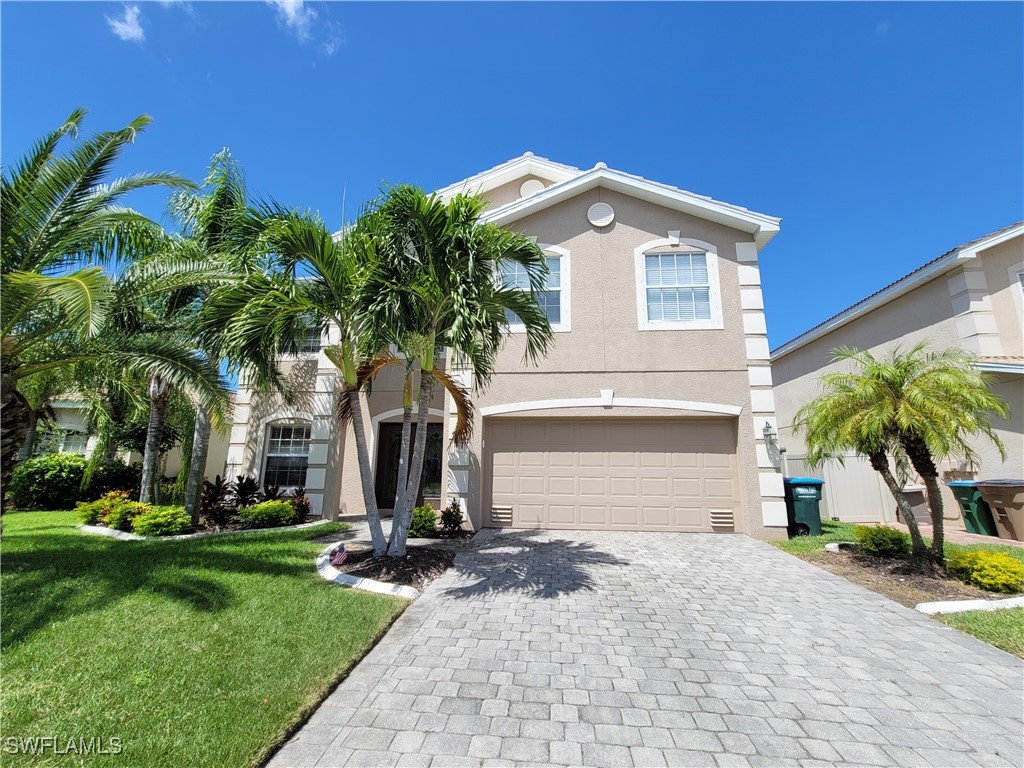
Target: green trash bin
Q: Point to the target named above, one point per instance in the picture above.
(802, 497)
(977, 514)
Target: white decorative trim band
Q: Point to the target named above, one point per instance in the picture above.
(612, 402)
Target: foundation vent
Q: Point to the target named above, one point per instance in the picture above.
(722, 518)
(501, 515)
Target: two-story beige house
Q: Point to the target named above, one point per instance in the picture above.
(648, 413)
(971, 297)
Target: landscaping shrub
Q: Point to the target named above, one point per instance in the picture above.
(115, 476)
(272, 493)
(451, 518)
(882, 541)
(247, 491)
(424, 522)
(162, 521)
(300, 506)
(214, 502)
(267, 514)
(992, 571)
(50, 481)
(95, 512)
(120, 515)
(54, 480)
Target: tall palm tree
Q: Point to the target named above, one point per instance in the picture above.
(215, 227)
(920, 406)
(61, 219)
(439, 286)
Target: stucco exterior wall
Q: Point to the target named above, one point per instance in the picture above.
(976, 306)
(603, 350)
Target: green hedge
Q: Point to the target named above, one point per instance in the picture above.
(54, 480)
(162, 521)
(267, 514)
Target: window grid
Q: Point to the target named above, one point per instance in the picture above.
(74, 442)
(287, 456)
(309, 344)
(678, 287)
(514, 275)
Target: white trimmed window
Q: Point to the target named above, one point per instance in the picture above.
(309, 344)
(553, 299)
(287, 457)
(73, 441)
(677, 286)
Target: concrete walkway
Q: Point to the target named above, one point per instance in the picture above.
(620, 649)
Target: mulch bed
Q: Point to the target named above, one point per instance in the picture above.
(419, 567)
(896, 581)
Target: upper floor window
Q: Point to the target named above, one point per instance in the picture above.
(553, 299)
(677, 286)
(287, 456)
(309, 343)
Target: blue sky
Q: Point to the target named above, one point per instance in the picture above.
(883, 134)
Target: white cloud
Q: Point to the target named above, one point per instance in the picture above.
(128, 27)
(295, 15)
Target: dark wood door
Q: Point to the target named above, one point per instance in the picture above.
(389, 446)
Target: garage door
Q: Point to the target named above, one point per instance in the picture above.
(612, 474)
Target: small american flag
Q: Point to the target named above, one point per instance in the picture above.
(339, 555)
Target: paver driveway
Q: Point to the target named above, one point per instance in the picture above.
(619, 649)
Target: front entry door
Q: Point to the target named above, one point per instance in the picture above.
(389, 446)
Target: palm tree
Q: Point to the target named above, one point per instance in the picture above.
(60, 221)
(215, 227)
(265, 313)
(439, 286)
(919, 406)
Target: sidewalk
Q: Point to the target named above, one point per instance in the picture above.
(958, 535)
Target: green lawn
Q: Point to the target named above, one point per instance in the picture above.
(1004, 629)
(195, 652)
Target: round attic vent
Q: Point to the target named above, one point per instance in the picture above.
(531, 187)
(600, 214)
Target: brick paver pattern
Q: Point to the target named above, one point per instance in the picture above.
(629, 649)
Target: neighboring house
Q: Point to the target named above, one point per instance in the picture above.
(971, 297)
(648, 412)
(69, 433)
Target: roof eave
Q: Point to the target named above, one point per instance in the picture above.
(763, 227)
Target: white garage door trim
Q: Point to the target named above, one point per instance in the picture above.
(610, 401)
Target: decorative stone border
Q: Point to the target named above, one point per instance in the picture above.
(329, 572)
(962, 606)
(102, 530)
(840, 546)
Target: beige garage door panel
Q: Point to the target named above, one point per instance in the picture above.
(617, 474)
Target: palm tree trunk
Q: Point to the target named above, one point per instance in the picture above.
(919, 552)
(401, 497)
(197, 466)
(30, 436)
(159, 392)
(401, 526)
(14, 411)
(380, 544)
(922, 462)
